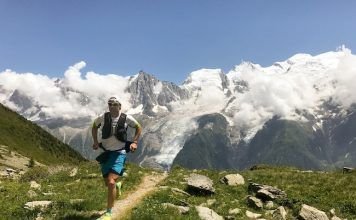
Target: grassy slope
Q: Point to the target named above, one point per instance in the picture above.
(14, 193)
(321, 190)
(30, 140)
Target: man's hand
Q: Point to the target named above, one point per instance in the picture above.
(95, 145)
(133, 146)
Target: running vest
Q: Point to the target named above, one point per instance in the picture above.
(120, 130)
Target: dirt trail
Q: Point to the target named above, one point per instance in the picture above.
(149, 184)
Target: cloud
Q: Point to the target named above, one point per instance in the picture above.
(345, 80)
(56, 103)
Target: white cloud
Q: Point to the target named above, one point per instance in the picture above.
(42, 89)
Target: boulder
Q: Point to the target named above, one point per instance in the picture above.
(311, 213)
(181, 209)
(233, 179)
(279, 214)
(207, 214)
(42, 205)
(266, 192)
(252, 215)
(254, 202)
(200, 183)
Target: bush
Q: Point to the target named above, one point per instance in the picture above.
(36, 173)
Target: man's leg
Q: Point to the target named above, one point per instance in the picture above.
(111, 184)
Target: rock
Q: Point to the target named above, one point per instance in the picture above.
(49, 194)
(42, 205)
(266, 192)
(269, 205)
(77, 181)
(332, 212)
(207, 214)
(265, 195)
(35, 185)
(234, 211)
(279, 214)
(335, 218)
(252, 215)
(233, 179)
(181, 209)
(73, 172)
(31, 194)
(180, 191)
(200, 183)
(254, 202)
(311, 213)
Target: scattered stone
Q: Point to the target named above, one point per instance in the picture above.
(207, 214)
(347, 169)
(332, 212)
(269, 205)
(34, 185)
(180, 191)
(233, 179)
(254, 202)
(234, 211)
(10, 170)
(77, 181)
(49, 194)
(279, 214)
(311, 213)
(252, 215)
(42, 205)
(200, 183)
(335, 218)
(31, 194)
(266, 192)
(181, 209)
(73, 172)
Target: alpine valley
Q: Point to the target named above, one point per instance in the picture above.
(299, 112)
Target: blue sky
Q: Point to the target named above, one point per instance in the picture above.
(167, 38)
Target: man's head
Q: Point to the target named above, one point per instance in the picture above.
(114, 104)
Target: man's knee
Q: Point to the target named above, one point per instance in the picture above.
(111, 182)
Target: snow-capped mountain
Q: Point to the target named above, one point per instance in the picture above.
(296, 112)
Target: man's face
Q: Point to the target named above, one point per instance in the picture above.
(114, 107)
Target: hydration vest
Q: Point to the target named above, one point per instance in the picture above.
(120, 130)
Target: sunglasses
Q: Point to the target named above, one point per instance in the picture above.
(113, 104)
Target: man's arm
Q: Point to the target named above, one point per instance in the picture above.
(94, 133)
(138, 131)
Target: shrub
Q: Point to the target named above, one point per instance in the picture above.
(36, 173)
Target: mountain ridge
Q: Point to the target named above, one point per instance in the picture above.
(315, 90)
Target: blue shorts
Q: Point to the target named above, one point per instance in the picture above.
(115, 164)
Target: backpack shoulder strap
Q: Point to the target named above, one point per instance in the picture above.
(122, 120)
